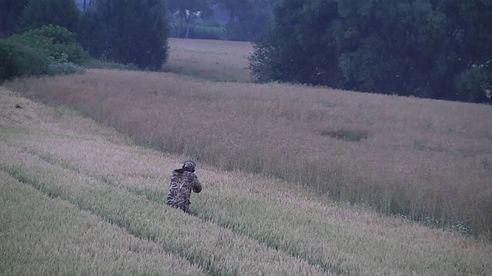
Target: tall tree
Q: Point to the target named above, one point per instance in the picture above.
(186, 11)
(248, 19)
(55, 12)
(427, 48)
(127, 31)
(10, 15)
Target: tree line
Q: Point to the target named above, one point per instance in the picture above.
(132, 31)
(241, 19)
(426, 48)
(124, 31)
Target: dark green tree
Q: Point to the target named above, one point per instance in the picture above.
(185, 11)
(427, 48)
(469, 33)
(301, 46)
(10, 15)
(55, 12)
(127, 31)
(248, 19)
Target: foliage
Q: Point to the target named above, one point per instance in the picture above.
(49, 49)
(191, 5)
(420, 47)
(127, 31)
(188, 16)
(57, 42)
(247, 19)
(56, 12)
(10, 15)
(203, 31)
(242, 20)
(17, 60)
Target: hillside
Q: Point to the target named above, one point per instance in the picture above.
(427, 160)
(424, 159)
(80, 198)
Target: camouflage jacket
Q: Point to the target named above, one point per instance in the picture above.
(182, 183)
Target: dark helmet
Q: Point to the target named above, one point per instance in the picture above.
(189, 166)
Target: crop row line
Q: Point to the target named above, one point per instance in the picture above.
(103, 201)
(159, 198)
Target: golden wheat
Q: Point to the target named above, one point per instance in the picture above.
(44, 236)
(428, 160)
(242, 224)
(210, 59)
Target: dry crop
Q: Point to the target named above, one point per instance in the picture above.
(79, 198)
(210, 59)
(427, 160)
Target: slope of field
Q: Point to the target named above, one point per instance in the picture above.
(210, 59)
(45, 236)
(427, 160)
(78, 198)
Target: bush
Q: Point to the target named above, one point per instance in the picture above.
(20, 60)
(56, 42)
(47, 50)
(472, 85)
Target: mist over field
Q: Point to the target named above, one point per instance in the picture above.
(331, 137)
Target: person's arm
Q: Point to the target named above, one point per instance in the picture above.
(197, 186)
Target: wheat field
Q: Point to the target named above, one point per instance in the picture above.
(210, 59)
(79, 198)
(424, 159)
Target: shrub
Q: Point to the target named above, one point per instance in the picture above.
(56, 42)
(47, 50)
(472, 85)
(20, 60)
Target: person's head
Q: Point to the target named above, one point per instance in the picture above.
(189, 166)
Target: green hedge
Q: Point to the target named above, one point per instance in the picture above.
(20, 60)
(46, 50)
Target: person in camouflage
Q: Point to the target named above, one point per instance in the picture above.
(183, 181)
